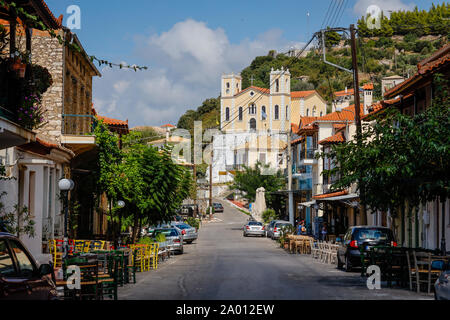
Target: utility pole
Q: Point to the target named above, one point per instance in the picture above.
(357, 114)
(289, 168)
(210, 186)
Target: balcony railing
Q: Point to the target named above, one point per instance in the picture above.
(234, 167)
(308, 155)
(78, 125)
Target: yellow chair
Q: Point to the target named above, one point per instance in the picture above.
(154, 256)
(56, 252)
(138, 257)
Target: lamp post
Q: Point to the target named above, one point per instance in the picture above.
(66, 185)
(120, 204)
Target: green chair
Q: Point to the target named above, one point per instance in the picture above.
(108, 286)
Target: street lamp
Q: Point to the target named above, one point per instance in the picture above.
(120, 204)
(66, 185)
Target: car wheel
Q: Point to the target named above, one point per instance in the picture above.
(181, 251)
(189, 241)
(348, 265)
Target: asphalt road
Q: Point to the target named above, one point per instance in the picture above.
(223, 265)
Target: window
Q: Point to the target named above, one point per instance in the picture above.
(227, 114)
(314, 111)
(240, 114)
(277, 112)
(263, 113)
(25, 265)
(307, 112)
(252, 109)
(262, 158)
(277, 85)
(228, 85)
(252, 124)
(321, 113)
(287, 112)
(7, 269)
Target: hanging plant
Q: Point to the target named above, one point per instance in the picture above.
(42, 79)
(30, 114)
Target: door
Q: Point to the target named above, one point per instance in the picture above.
(34, 285)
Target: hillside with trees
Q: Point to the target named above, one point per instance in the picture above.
(404, 40)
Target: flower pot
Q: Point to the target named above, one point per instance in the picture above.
(19, 67)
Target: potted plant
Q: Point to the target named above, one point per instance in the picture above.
(19, 67)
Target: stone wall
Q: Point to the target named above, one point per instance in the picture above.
(48, 53)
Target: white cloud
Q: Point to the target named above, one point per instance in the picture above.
(186, 63)
(361, 6)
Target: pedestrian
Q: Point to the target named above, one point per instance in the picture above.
(302, 228)
(299, 228)
(324, 232)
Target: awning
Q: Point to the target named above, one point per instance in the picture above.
(308, 204)
(345, 197)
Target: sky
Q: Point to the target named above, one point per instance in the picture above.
(188, 45)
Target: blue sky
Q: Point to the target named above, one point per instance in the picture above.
(188, 44)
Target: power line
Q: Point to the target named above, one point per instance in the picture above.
(333, 10)
(336, 13)
(326, 15)
(341, 13)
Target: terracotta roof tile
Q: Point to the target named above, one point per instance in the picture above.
(331, 195)
(168, 126)
(302, 94)
(337, 138)
(347, 114)
(262, 90)
(112, 122)
(368, 86)
(339, 126)
(343, 93)
(294, 128)
(294, 142)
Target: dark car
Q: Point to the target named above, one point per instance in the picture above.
(361, 238)
(218, 207)
(20, 277)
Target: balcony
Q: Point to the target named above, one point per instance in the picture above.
(78, 132)
(12, 132)
(307, 157)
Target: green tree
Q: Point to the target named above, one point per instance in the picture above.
(401, 158)
(252, 178)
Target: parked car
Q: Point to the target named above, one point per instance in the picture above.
(276, 232)
(218, 207)
(270, 226)
(254, 228)
(189, 233)
(365, 237)
(172, 233)
(442, 287)
(20, 276)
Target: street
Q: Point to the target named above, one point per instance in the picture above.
(223, 265)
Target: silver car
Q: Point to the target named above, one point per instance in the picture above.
(254, 228)
(189, 233)
(270, 227)
(442, 287)
(172, 234)
(276, 232)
